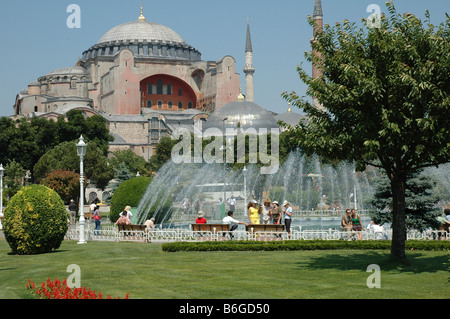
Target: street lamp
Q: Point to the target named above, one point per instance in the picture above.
(245, 188)
(2, 171)
(224, 148)
(81, 150)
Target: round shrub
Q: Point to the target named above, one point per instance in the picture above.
(35, 220)
(129, 193)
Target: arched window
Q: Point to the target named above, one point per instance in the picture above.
(149, 103)
(190, 105)
(180, 105)
(159, 86)
(170, 104)
(160, 104)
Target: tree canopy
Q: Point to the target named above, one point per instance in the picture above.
(385, 94)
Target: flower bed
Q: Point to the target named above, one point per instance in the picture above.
(60, 290)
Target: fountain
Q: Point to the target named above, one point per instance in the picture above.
(306, 182)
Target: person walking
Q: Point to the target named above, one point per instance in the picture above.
(97, 220)
(73, 212)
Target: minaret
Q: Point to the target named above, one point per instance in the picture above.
(248, 68)
(318, 19)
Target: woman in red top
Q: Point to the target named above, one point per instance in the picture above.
(200, 219)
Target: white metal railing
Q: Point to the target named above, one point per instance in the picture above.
(111, 233)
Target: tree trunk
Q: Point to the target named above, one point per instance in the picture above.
(398, 184)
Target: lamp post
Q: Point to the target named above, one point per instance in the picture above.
(224, 148)
(245, 188)
(81, 150)
(2, 171)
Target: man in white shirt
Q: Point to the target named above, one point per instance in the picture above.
(232, 202)
(232, 222)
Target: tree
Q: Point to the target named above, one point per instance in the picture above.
(133, 162)
(421, 202)
(65, 183)
(64, 156)
(14, 174)
(386, 100)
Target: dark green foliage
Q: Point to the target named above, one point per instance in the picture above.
(35, 220)
(26, 140)
(129, 193)
(421, 202)
(300, 245)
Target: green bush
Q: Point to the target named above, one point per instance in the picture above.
(129, 193)
(300, 245)
(35, 220)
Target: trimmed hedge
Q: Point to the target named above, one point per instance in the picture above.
(129, 193)
(35, 220)
(300, 245)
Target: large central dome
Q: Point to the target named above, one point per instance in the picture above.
(144, 39)
(142, 31)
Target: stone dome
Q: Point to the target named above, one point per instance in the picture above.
(141, 31)
(243, 115)
(144, 39)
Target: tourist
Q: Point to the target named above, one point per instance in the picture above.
(200, 218)
(73, 211)
(287, 216)
(97, 220)
(232, 203)
(356, 224)
(229, 220)
(127, 212)
(276, 213)
(266, 212)
(150, 224)
(445, 224)
(123, 219)
(253, 212)
(346, 223)
(377, 229)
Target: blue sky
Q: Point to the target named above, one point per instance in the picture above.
(36, 40)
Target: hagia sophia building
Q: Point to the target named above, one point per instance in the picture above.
(146, 81)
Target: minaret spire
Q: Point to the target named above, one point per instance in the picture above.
(248, 68)
(318, 19)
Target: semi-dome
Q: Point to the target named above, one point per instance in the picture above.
(243, 115)
(72, 70)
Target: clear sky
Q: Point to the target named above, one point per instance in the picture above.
(35, 39)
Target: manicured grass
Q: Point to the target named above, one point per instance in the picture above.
(145, 271)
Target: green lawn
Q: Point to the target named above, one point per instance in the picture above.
(145, 271)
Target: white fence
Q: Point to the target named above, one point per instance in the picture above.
(110, 232)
